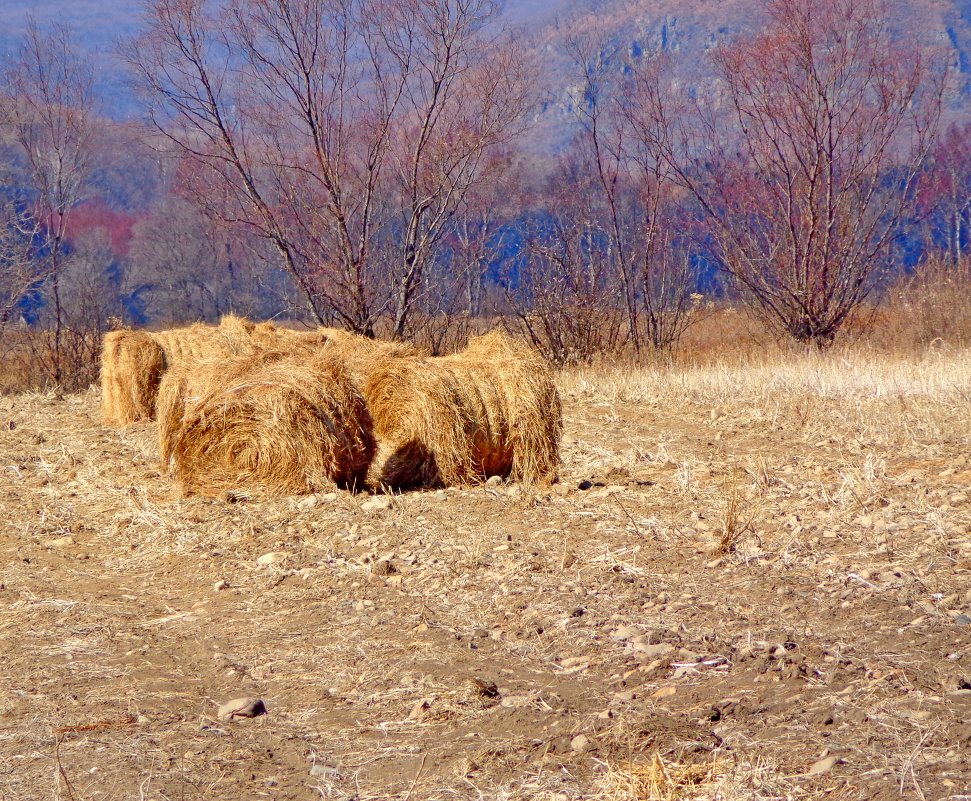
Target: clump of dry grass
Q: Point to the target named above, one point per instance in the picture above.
(271, 424)
(491, 410)
(660, 780)
(132, 363)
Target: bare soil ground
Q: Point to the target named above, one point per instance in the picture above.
(762, 592)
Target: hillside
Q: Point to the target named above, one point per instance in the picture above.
(688, 27)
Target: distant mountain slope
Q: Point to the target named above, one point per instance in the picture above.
(690, 27)
(97, 26)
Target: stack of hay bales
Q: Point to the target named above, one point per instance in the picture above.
(491, 410)
(275, 423)
(247, 406)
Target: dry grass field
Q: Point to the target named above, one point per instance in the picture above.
(754, 582)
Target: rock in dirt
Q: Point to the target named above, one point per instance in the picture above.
(241, 708)
(62, 542)
(378, 503)
(651, 650)
(271, 558)
(626, 633)
(581, 743)
(963, 620)
(822, 766)
(419, 710)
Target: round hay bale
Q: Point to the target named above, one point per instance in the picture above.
(491, 410)
(279, 424)
(132, 364)
(362, 354)
(189, 381)
(199, 341)
(532, 408)
(422, 421)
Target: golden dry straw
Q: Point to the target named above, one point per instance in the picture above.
(189, 381)
(491, 410)
(362, 354)
(132, 364)
(276, 424)
(133, 361)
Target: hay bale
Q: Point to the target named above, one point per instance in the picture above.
(187, 382)
(198, 342)
(276, 424)
(491, 410)
(132, 364)
(531, 403)
(133, 361)
(362, 354)
(268, 335)
(249, 336)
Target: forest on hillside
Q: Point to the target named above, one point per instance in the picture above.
(393, 167)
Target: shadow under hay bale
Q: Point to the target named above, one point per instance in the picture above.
(491, 410)
(132, 364)
(272, 424)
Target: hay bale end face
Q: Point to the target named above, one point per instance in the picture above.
(491, 410)
(531, 403)
(132, 364)
(281, 425)
(186, 383)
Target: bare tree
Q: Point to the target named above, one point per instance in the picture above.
(945, 191)
(805, 180)
(343, 132)
(623, 145)
(563, 285)
(19, 232)
(50, 120)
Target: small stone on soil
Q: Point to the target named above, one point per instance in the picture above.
(241, 708)
(376, 504)
(271, 558)
(823, 765)
(652, 650)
